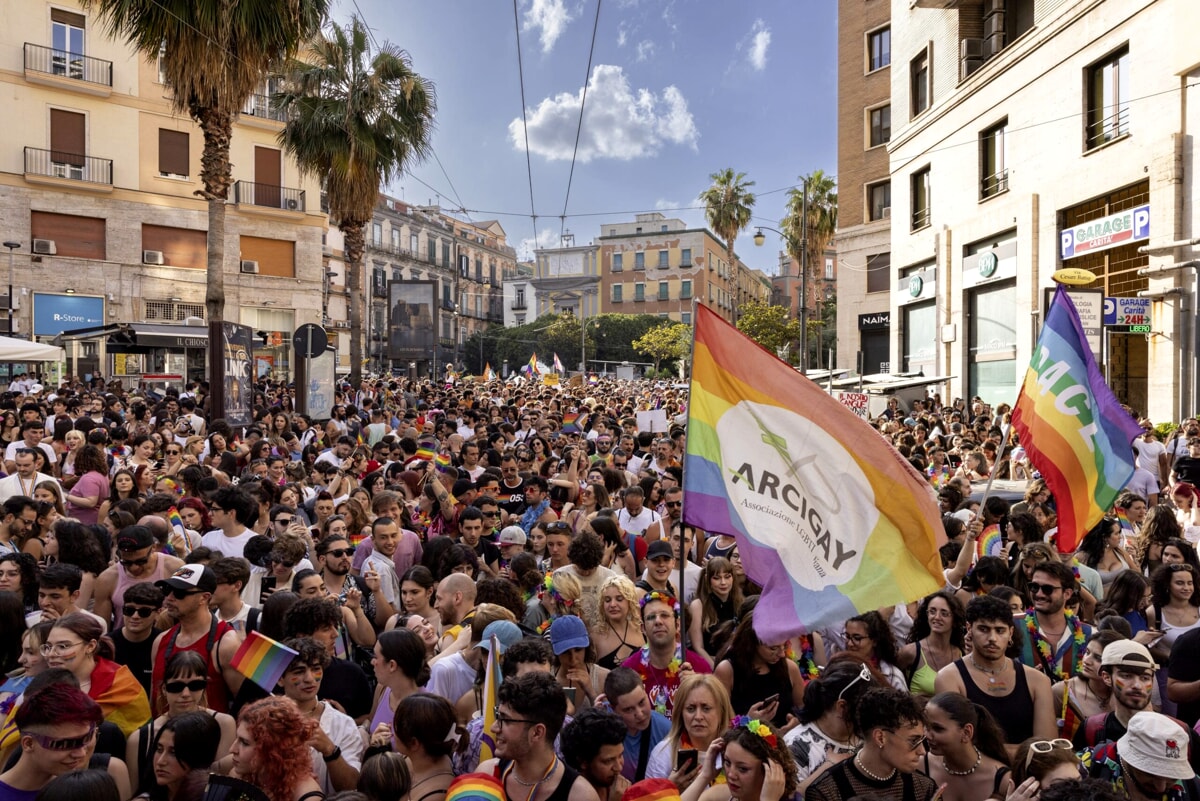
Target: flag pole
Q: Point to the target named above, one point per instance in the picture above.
(987, 491)
(687, 425)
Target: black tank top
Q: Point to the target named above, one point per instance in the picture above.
(561, 793)
(1014, 712)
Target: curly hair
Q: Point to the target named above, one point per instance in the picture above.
(1160, 585)
(29, 575)
(761, 749)
(78, 545)
(280, 733)
(1159, 526)
(880, 633)
(629, 592)
(501, 592)
(588, 731)
(958, 622)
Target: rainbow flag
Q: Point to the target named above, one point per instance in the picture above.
(491, 682)
(573, 423)
(176, 521)
(533, 367)
(558, 368)
(442, 460)
(1072, 426)
(262, 660)
(830, 520)
(1127, 532)
(426, 454)
(990, 543)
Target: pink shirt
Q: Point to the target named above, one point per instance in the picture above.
(90, 485)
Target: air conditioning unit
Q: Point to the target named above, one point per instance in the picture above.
(250, 267)
(341, 324)
(971, 48)
(886, 212)
(44, 247)
(293, 204)
(153, 257)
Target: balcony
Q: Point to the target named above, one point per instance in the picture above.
(58, 167)
(262, 113)
(64, 69)
(520, 304)
(250, 196)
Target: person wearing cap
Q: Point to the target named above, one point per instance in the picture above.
(1149, 762)
(577, 672)
(138, 560)
(512, 542)
(660, 567)
(186, 599)
(453, 676)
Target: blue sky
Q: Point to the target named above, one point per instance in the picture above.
(678, 90)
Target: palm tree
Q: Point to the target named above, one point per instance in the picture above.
(727, 206)
(215, 54)
(822, 216)
(355, 120)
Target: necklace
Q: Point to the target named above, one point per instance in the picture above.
(992, 673)
(435, 775)
(881, 779)
(968, 772)
(535, 785)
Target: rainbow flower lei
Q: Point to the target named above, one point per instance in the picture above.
(807, 659)
(662, 597)
(548, 586)
(1052, 662)
(756, 727)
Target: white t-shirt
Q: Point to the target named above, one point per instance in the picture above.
(1148, 453)
(451, 678)
(343, 731)
(10, 453)
(228, 546)
(637, 523)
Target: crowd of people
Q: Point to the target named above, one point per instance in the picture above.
(425, 532)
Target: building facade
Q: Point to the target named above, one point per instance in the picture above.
(819, 297)
(97, 186)
(520, 296)
(1031, 137)
(566, 279)
(863, 241)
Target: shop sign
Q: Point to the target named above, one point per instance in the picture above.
(917, 286)
(997, 263)
(1093, 236)
(53, 314)
(1128, 315)
(880, 321)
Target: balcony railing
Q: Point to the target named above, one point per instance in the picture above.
(268, 196)
(71, 166)
(520, 305)
(920, 217)
(392, 250)
(261, 106)
(76, 66)
(994, 184)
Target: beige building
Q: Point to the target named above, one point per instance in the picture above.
(97, 185)
(1030, 137)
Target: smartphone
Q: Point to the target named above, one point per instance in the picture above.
(268, 583)
(770, 699)
(684, 758)
(570, 693)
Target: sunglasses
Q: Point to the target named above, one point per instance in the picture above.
(139, 611)
(181, 594)
(673, 504)
(863, 675)
(64, 743)
(275, 560)
(1046, 746)
(338, 553)
(1042, 589)
(135, 562)
(195, 686)
(285, 521)
(173, 451)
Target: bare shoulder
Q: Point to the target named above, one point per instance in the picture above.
(1038, 681)
(582, 790)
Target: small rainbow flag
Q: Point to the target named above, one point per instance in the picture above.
(176, 521)
(477, 786)
(426, 454)
(262, 660)
(491, 683)
(356, 538)
(830, 520)
(574, 423)
(360, 439)
(990, 542)
(442, 460)
(1072, 426)
(1127, 532)
(533, 367)
(558, 367)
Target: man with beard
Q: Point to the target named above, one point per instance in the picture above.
(593, 743)
(334, 555)
(455, 600)
(1051, 639)
(1018, 696)
(529, 715)
(661, 665)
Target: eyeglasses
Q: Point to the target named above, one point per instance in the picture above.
(285, 521)
(338, 553)
(673, 504)
(1046, 746)
(487, 514)
(135, 562)
(139, 611)
(863, 675)
(171, 451)
(64, 743)
(1042, 589)
(504, 721)
(181, 594)
(557, 527)
(278, 560)
(195, 686)
(856, 638)
(59, 648)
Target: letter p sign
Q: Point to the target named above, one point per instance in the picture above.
(1141, 222)
(1067, 243)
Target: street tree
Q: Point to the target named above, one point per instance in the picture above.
(768, 325)
(668, 342)
(728, 203)
(357, 120)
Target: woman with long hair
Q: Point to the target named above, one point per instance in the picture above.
(1038, 764)
(144, 453)
(72, 440)
(1030, 557)
(1186, 498)
(91, 488)
(1175, 599)
(969, 758)
(1127, 597)
(76, 544)
(869, 638)
(77, 643)
(617, 631)
(1179, 551)
(701, 712)
(417, 589)
(762, 681)
(1101, 550)
(271, 750)
(936, 640)
(757, 766)
(423, 628)
(185, 680)
(180, 757)
(195, 515)
(592, 497)
(1159, 526)
(19, 575)
(401, 669)
(122, 486)
(1084, 694)
(716, 604)
(426, 731)
(604, 525)
(826, 735)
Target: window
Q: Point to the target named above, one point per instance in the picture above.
(446, 255)
(639, 292)
(879, 49)
(431, 254)
(81, 237)
(1108, 99)
(159, 66)
(881, 125)
(376, 234)
(478, 270)
(639, 260)
(395, 239)
(828, 268)
(685, 257)
(920, 199)
(879, 272)
(181, 247)
(396, 274)
(612, 231)
(173, 153)
(685, 289)
(414, 244)
(664, 290)
(685, 318)
(663, 259)
(618, 263)
(618, 293)
(879, 200)
(520, 297)
(68, 144)
(66, 38)
(275, 257)
(918, 71)
(993, 168)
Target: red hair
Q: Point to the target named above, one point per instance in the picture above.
(57, 704)
(1187, 489)
(281, 734)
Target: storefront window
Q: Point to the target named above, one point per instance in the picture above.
(273, 359)
(992, 374)
(919, 337)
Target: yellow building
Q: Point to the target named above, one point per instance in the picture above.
(97, 185)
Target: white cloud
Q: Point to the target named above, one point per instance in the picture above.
(622, 35)
(618, 123)
(645, 49)
(549, 18)
(756, 43)
(546, 238)
(662, 204)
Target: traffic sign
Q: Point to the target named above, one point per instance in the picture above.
(309, 341)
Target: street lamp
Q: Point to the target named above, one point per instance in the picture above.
(759, 238)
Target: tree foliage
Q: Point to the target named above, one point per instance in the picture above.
(770, 326)
(669, 342)
(728, 203)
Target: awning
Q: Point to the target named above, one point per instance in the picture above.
(140, 337)
(22, 350)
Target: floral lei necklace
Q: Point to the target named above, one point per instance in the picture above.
(1054, 665)
(806, 660)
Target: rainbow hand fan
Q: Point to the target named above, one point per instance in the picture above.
(263, 660)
